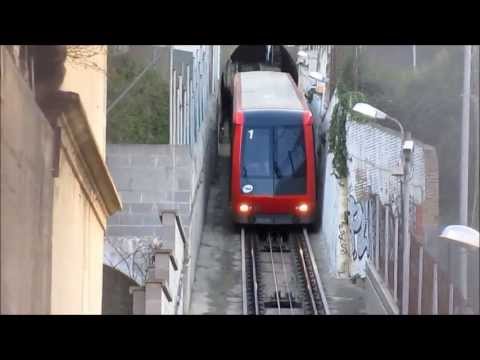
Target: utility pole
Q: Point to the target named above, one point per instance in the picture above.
(414, 50)
(406, 157)
(464, 165)
(475, 122)
(355, 67)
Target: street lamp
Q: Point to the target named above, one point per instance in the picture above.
(461, 234)
(374, 113)
(465, 237)
(407, 149)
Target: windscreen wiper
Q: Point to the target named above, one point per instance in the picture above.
(277, 170)
(291, 161)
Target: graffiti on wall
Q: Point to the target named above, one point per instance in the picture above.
(358, 220)
(342, 237)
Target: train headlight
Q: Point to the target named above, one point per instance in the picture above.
(244, 208)
(303, 208)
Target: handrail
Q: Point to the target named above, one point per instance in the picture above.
(186, 256)
(180, 227)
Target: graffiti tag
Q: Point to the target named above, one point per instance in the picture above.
(358, 220)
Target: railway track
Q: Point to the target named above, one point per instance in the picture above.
(279, 274)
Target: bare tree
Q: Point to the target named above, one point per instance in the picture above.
(85, 56)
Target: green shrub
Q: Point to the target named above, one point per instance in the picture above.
(141, 117)
(337, 136)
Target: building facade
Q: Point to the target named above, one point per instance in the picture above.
(54, 220)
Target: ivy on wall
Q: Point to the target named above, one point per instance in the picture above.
(337, 134)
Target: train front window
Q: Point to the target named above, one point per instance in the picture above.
(273, 160)
(289, 160)
(257, 159)
(256, 165)
(289, 152)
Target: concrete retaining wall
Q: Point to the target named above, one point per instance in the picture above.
(116, 299)
(149, 178)
(152, 178)
(26, 191)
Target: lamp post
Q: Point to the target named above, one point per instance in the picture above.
(467, 239)
(407, 149)
(464, 165)
(463, 235)
(414, 53)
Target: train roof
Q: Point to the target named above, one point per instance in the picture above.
(267, 90)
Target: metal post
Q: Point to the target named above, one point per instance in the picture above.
(170, 94)
(377, 232)
(244, 279)
(180, 110)
(395, 266)
(465, 139)
(475, 119)
(406, 235)
(173, 121)
(450, 299)
(435, 290)
(387, 233)
(414, 50)
(318, 59)
(464, 166)
(420, 280)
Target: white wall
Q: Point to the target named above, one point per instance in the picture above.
(374, 152)
(332, 220)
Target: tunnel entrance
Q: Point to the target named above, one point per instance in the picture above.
(252, 58)
(263, 57)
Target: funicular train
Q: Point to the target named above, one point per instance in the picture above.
(273, 164)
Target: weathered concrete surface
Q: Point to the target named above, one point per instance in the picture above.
(378, 299)
(52, 228)
(150, 178)
(116, 299)
(217, 288)
(77, 246)
(373, 304)
(343, 296)
(90, 82)
(26, 196)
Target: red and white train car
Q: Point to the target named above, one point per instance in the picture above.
(273, 171)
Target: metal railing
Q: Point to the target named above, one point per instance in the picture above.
(431, 290)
